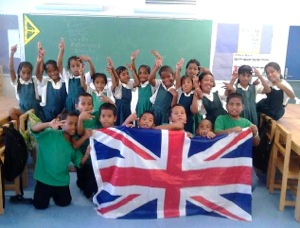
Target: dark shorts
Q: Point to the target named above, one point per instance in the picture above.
(43, 193)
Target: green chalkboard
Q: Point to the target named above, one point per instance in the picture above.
(100, 37)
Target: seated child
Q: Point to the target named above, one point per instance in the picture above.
(232, 122)
(51, 170)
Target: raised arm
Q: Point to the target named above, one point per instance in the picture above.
(285, 89)
(114, 77)
(264, 83)
(85, 58)
(12, 72)
(82, 78)
(229, 87)
(136, 81)
(152, 75)
(41, 126)
(60, 57)
(177, 73)
(39, 66)
(132, 58)
(194, 105)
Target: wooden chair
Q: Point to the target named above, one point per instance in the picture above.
(14, 185)
(270, 135)
(287, 165)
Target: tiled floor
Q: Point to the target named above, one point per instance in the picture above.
(81, 213)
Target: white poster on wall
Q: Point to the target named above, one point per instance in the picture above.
(257, 61)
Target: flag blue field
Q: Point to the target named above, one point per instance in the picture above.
(149, 173)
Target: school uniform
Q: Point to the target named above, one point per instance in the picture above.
(186, 101)
(53, 98)
(161, 103)
(249, 97)
(145, 91)
(97, 101)
(274, 104)
(123, 97)
(73, 87)
(51, 169)
(211, 106)
(27, 95)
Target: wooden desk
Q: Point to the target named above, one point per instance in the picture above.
(293, 125)
(292, 111)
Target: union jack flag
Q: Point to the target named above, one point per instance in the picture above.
(149, 173)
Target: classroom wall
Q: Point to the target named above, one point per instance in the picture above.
(279, 15)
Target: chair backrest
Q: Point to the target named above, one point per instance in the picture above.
(271, 127)
(283, 141)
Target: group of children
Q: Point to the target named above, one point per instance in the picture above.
(76, 102)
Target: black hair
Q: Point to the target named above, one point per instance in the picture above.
(74, 57)
(84, 94)
(165, 68)
(275, 66)
(99, 75)
(185, 77)
(65, 114)
(175, 105)
(234, 95)
(206, 72)
(50, 62)
(245, 69)
(148, 112)
(146, 67)
(21, 65)
(193, 61)
(108, 106)
(120, 69)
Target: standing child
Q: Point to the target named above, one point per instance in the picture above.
(278, 92)
(25, 88)
(72, 77)
(209, 102)
(122, 89)
(186, 96)
(51, 170)
(165, 95)
(145, 90)
(53, 97)
(246, 89)
(100, 94)
(232, 122)
(88, 119)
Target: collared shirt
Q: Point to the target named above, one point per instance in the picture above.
(21, 81)
(42, 86)
(66, 76)
(118, 89)
(157, 84)
(210, 96)
(180, 92)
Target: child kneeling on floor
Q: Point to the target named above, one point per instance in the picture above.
(54, 156)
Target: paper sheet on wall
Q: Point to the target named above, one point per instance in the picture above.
(249, 39)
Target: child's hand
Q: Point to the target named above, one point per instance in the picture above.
(56, 124)
(235, 129)
(256, 72)
(41, 52)
(156, 54)
(235, 74)
(61, 45)
(195, 81)
(254, 129)
(228, 86)
(110, 63)
(179, 64)
(13, 49)
(189, 134)
(104, 98)
(173, 92)
(81, 70)
(158, 62)
(86, 115)
(210, 135)
(132, 117)
(84, 58)
(134, 54)
(198, 93)
(256, 82)
(129, 66)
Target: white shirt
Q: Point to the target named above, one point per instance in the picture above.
(66, 76)
(43, 88)
(118, 89)
(210, 96)
(34, 80)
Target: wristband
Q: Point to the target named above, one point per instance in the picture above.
(256, 135)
